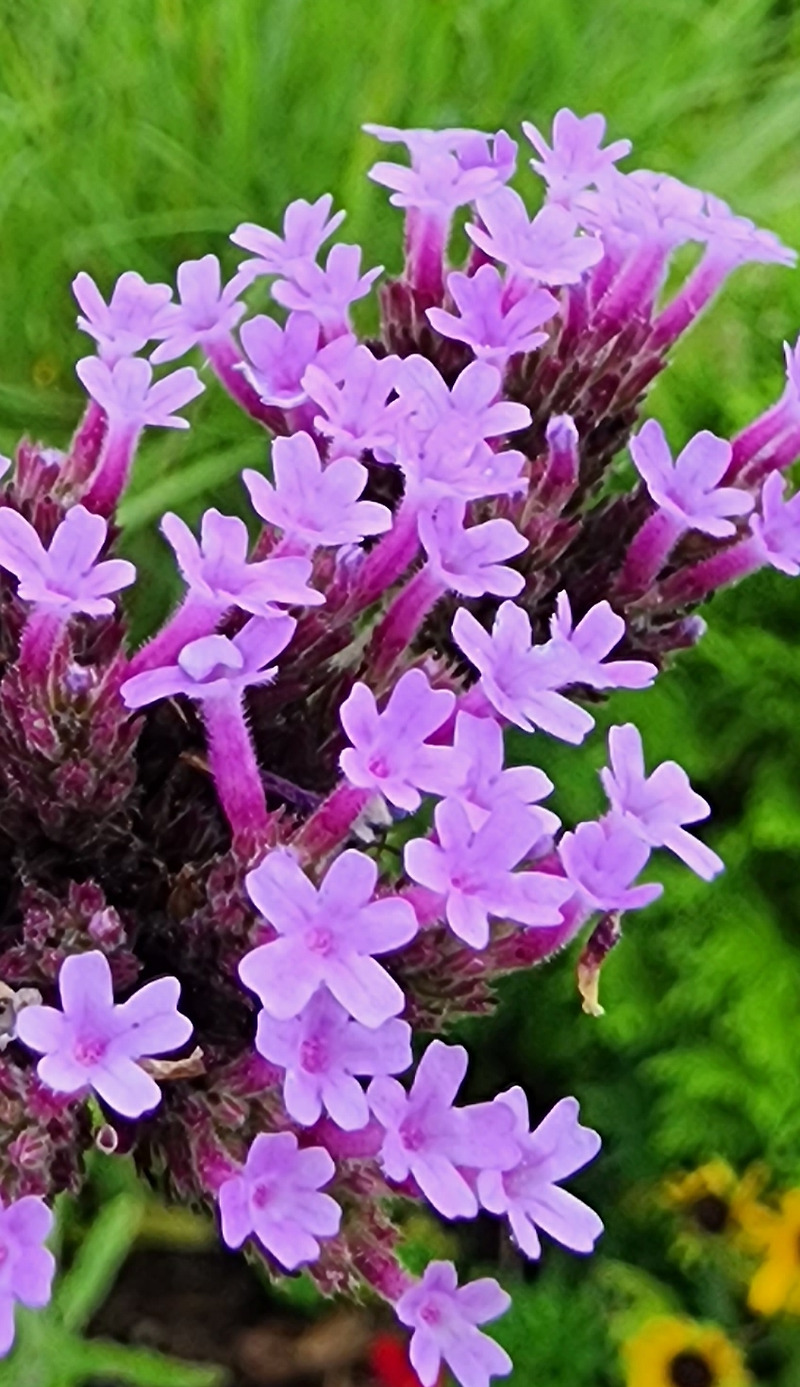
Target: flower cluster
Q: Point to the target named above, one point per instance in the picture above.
(196, 835)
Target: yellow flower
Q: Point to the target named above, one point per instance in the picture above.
(776, 1284)
(713, 1198)
(672, 1352)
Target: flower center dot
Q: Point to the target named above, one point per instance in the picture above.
(313, 1056)
(320, 941)
(690, 1369)
(431, 1314)
(89, 1052)
(261, 1195)
(412, 1137)
(379, 766)
(710, 1213)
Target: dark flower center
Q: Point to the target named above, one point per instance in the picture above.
(690, 1369)
(711, 1213)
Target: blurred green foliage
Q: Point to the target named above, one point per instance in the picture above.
(140, 133)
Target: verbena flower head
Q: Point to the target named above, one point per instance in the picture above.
(26, 1266)
(437, 546)
(96, 1043)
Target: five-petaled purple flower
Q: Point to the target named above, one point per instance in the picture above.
(529, 1194)
(280, 356)
(327, 294)
(65, 578)
(445, 1319)
(601, 859)
(356, 413)
(470, 561)
(429, 1139)
(211, 667)
(472, 870)
(133, 315)
(306, 227)
(390, 753)
(321, 1050)
(128, 395)
(578, 654)
(576, 159)
(26, 1266)
(776, 530)
(487, 785)
(276, 1197)
(326, 936)
(546, 249)
(493, 322)
(312, 504)
(217, 570)
(96, 1043)
(688, 489)
(206, 310)
(657, 806)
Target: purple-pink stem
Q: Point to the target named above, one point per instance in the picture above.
(765, 432)
(633, 291)
(226, 361)
(233, 764)
(784, 453)
(331, 823)
(603, 274)
(700, 287)
(85, 447)
(728, 566)
(402, 621)
(647, 553)
(108, 481)
(196, 617)
(390, 557)
(426, 236)
(40, 639)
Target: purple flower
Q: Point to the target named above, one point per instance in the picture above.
(327, 936)
(777, 529)
(602, 859)
(355, 413)
(472, 411)
(449, 168)
(306, 227)
(688, 489)
(390, 754)
(327, 294)
(545, 249)
(94, 1043)
(529, 1194)
(472, 871)
(275, 1196)
(519, 684)
(66, 578)
(206, 310)
(213, 667)
(494, 323)
(738, 240)
(427, 1138)
(217, 570)
(470, 561)
(657, 806)
(280, 356)
(321, 1050)
(487, 785)
(578, 653)
(134, 314)
(643, 212)
(445, 1317)
(26, 1267)
(445, 466)
(127, 394)
(576, 159)
(316, 505)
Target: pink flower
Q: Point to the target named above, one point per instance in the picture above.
(657, 806)
(275, 1196)
(306, 227)
(321, 1050)
(427, 1138)
(487, 785)
(134, 314)
(279, 357)
(217, 570)
(519, 684)
(445, 1317)
(602, 859)
(545, 249)
(688, 489)
(94, 1043)
(390, 753)
(472, 870)
(577, 654)
(327, 936)
(206, 310)
(577, 159)
(470, 562)
(316, 505)
(26, 1267)
(529, 1194)
(65, 578)
(128, 395)
(495, 324)
(212, 667)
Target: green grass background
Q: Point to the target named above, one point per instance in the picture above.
(136, 134)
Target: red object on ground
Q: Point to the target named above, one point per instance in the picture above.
(388, 1359)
